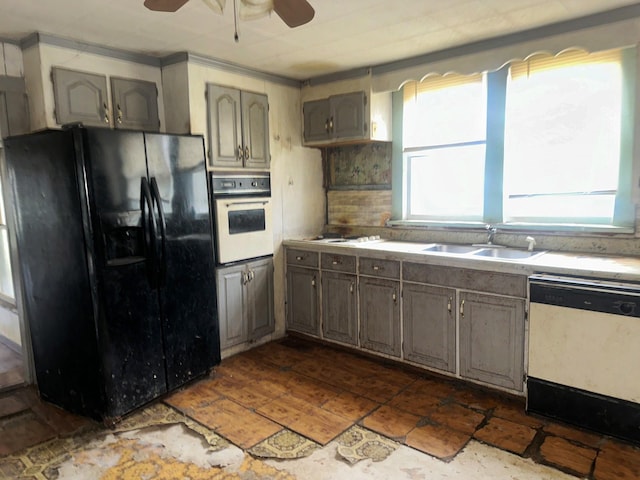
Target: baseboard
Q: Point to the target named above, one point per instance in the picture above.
(11, 345)
(600, 413)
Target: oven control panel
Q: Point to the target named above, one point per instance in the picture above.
(245, 184)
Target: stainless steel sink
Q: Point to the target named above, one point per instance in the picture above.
(450, 248)
(507, 253)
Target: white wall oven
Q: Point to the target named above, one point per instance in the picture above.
(242, 211)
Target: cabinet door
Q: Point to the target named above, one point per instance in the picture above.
(260, 298)
(231, 305)
(80, 97)
(429, 319)
(339, 307)
(347, 115)
(255, 130)
(14, 115)
(380, 315)
(316, 120)
(492, 339)
(302, 300)
(135, 104)
(225, 134)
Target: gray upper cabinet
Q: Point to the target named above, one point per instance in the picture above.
(245, 302)
(339, 298)
(238, 128)
(14, 111)
(135, 104)
(429, 320)
(492, 339)
(337, 118)
(80, 97)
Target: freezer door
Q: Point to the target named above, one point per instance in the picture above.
(129, 327)
(187, 293)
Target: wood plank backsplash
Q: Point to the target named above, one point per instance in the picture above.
(359, 207)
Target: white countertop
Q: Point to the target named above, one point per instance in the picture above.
(575, 264)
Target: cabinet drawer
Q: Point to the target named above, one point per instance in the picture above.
(379, 268)
(302, 257)
(482, 281)
(337, 262)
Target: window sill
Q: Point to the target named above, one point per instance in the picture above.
(513, 227)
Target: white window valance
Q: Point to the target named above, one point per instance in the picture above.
(603, 37)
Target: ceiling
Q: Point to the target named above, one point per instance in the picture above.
(345, 34)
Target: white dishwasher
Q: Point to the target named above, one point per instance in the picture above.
(584, 353)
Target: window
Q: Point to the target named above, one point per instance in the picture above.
(444, 143)
(6, 280)
(546, 141)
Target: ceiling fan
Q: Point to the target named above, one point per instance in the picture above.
(293, 12)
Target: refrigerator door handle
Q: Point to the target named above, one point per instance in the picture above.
(149, 231)
(162, 267)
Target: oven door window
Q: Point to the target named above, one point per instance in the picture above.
(246, 221)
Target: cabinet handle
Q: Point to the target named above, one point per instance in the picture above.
(252, 275)
(336, 262)
(245, 278)
(246, 153)
(119, 118)
(240, 152)
(449, 305)
(326, 125)
(299, 258)
(376, 268)
(313, 282)
(462, 308)
(331, 125)
(394, 297)
(351, 287)
(106, 112)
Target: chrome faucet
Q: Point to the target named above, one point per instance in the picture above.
(532, 242)
(491, 232)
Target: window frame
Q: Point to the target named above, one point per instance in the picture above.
(624, 212)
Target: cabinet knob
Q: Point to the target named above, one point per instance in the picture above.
(462, 308)
(299, 258)
(336, 262)
(313, 282)
(331, 124)
(449, 305)
(106, 112)
(119, 117)
(351, 287)
(394, 296)
(376, 268)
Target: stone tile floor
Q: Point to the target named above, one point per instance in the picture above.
(293, 396)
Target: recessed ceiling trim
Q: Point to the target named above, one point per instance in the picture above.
(117, 53)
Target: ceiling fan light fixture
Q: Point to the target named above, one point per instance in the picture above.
(254, 9)
(215, 5)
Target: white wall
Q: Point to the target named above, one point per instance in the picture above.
(296, 172)
(41, 57)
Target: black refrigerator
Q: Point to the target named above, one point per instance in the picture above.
(113, 243)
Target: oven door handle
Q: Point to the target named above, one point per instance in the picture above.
(262, 202)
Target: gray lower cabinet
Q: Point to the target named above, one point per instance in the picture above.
(245, 302)
(492, 339)
(135, 104)
(380, 315)
(429, 325)
(302, 300)
(340, 307)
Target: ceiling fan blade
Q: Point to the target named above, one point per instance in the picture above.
(294, 12)
(164, 5)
